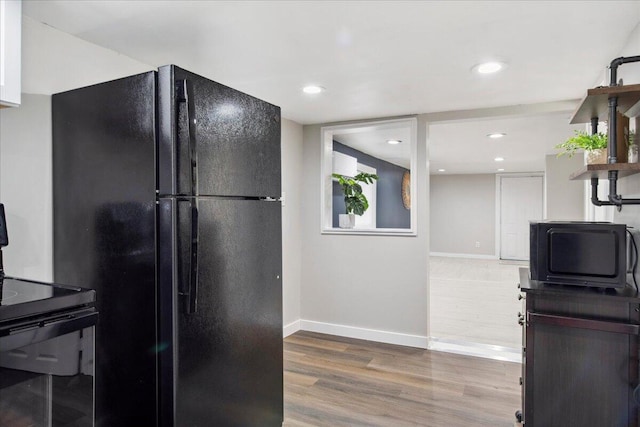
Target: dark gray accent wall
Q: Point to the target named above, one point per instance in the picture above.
(390, 212)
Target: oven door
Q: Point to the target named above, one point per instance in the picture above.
(49, 381)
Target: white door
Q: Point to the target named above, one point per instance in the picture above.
(521, 201)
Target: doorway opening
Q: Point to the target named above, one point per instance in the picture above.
(483, 193)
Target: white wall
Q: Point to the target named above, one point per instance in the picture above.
(564, 198)
(25, 187)
(463, 212)
(630, 72)
(52, 61)
(629, 187)
(291, 223)
(372, 287)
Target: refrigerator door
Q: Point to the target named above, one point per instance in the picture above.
(214, 140)
(104, 233)
(228, 356)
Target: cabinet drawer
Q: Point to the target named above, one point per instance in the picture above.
(601, 309)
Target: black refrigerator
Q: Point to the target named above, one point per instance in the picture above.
(166, 201)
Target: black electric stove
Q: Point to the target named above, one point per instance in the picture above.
(46, 354)
(25, 298)
(32, 311)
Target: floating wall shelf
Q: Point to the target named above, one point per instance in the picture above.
(596, 103)
(609, 101)
(602, 171)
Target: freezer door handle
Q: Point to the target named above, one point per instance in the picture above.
(185, 96)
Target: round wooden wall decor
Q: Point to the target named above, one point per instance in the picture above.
(406, 190)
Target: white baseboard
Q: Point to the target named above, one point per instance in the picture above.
(291, 328)
(487, 351)
(364, 334)
(432, 343)
(454, 255)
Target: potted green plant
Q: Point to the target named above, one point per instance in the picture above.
(632, 157)
(594, 144)
(355, 202)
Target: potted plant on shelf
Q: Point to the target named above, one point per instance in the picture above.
(355, 202)
(632, 157)
(594, 144)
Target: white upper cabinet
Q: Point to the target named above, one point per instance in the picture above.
(10, 42)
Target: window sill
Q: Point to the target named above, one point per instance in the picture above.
(403, 232)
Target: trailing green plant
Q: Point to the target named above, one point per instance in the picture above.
(355, 202)
(582, 140)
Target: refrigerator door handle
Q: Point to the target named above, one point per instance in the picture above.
(186, 253)
(185, 95)
(192, 304)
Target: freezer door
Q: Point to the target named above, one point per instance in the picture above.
(226, 369)
(214, 140)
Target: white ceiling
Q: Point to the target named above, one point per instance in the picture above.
(375, 59)
(463, 147)
(374, 142)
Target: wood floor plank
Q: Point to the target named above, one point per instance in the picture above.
(337, 381)
(299, 379)
(311, 339)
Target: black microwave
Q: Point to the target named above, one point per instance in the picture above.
(579, 253)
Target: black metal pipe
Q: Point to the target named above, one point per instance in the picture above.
(622, 201)
(594, 194)
(618, 62)
(612, 126)
(614, 198)
(613, 182)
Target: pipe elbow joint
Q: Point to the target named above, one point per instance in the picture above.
(617, 62)
(616, 199)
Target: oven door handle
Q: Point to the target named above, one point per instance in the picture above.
(42, 330)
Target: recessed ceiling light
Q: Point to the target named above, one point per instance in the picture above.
(440, 170)
(393, 141)
(496, 135)
(500, 170)
(499, 159)
(313, 89)
(489, 67)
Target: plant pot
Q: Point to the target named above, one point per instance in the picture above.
(633, 154)
(597, 157)
(347, 220)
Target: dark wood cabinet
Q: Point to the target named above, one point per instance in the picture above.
(580, 356)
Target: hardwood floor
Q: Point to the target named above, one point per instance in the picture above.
(335, 381)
